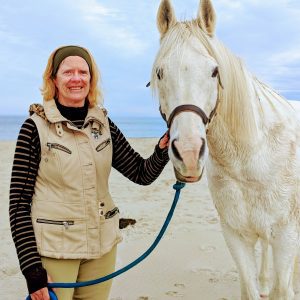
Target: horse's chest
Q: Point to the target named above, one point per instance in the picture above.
(247, 198)
(246, 209)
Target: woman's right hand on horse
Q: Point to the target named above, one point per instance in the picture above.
(163, 142)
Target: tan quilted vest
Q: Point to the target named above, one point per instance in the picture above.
(72, 211)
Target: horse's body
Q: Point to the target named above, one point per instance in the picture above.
(253, 137)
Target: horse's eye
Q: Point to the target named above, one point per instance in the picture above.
(215, 72)
(159, 73)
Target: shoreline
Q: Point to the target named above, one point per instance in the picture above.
(151, 127)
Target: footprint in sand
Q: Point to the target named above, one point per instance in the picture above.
(180, 285)
(208, 248)
(217, 276)
(214, 277)
(231, 276)
(212, 220)
(9, 271)
(175, 293)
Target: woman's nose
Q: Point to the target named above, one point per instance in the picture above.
(76, 76)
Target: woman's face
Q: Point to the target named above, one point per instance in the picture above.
(73, 81)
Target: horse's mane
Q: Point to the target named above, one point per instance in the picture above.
(235, 109)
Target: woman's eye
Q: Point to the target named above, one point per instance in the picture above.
(215, 72)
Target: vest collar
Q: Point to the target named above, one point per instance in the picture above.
(54, 116)
(52, 113)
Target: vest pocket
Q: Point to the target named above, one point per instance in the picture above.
(66, 224)
(110, 233)
(60, 237)
(58, 147)
(102, 145)
(111, 213)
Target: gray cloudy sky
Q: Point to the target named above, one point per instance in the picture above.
(123, 38)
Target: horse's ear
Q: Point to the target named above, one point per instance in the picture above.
(207, 17)
(165, 16)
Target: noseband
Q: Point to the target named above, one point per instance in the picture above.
(189, 107)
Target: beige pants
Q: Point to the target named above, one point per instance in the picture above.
(77, 270)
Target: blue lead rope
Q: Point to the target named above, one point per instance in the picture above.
(177, 186)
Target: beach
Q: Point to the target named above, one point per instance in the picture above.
(191, 262)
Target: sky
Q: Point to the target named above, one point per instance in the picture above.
(123, 38)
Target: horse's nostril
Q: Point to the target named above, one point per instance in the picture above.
(175, 151)
(202, 148)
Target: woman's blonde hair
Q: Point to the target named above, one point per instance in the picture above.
(49, 90)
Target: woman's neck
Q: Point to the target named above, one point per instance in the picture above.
(72, 113)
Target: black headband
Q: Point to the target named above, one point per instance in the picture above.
(66, 51)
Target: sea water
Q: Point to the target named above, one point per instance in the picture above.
(131, 127)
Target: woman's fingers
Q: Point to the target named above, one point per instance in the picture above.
(41, 294)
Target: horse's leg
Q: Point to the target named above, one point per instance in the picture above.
(285, 247)
(242, 251)
(264, 269)
(296, 277)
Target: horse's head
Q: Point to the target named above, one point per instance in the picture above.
(186, 77)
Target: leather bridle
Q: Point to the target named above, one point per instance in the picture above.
(193, 108)
(185, 107)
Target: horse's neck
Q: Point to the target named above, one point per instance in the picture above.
(238, 110)
(243, 124)
(246, 105)
(273, 107)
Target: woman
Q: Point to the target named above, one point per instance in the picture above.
(64, 223)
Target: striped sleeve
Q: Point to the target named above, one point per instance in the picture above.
(131, 164)
(24, 172)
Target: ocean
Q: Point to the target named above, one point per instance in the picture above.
(132, 127)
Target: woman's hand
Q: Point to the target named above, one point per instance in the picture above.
(164, 141)
(43, 293)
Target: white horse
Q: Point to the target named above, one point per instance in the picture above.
(245, 134)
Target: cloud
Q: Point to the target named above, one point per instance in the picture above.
(123, 37)
(286, 58)
(12, 38)
(8, 35)
(282, 71)
(109, 26)
(90, 8)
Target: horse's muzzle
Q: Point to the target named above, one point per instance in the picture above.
(187, 179)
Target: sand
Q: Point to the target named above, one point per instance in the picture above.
(191, 262)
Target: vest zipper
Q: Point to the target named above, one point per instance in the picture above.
(66, 224)
(103, 145)
(58, 147)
